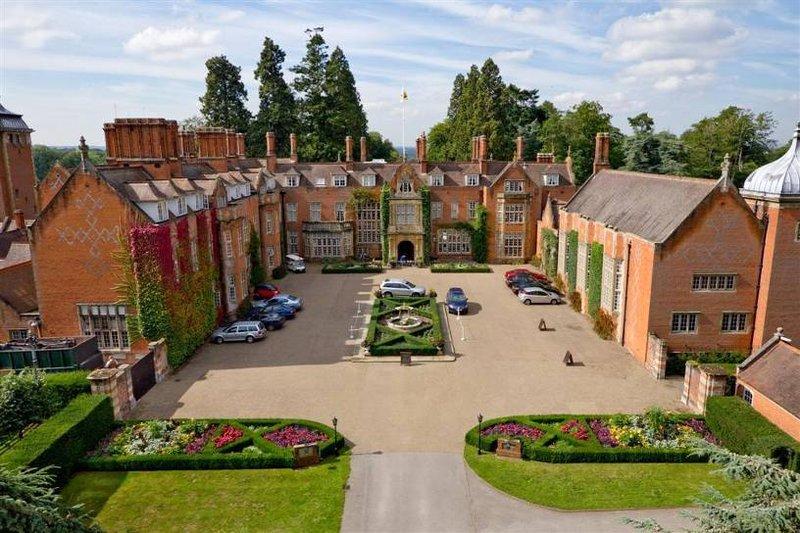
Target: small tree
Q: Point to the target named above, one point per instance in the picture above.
(770, 501)
(24, 399)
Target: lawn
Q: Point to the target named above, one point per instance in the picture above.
(595, 486)
(310, 499)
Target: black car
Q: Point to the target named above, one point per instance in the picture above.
(522, 282)
(271, 321)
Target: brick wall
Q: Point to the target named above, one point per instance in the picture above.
(774, 412)
(17, 177)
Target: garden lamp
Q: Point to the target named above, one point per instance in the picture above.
(335, 421)
(480, 421)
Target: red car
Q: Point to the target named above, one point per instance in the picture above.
(511, 274)
(265, 291)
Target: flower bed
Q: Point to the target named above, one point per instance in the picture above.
(461, 267)
(207, 444)
(427, 339)
(656, 436)
(350, 267)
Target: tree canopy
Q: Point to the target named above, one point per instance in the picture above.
(276, 108)
(223, 103)
(44, 157)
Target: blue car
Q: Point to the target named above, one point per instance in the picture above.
(456, 301)
(286, 299)
(271, 321)
(279, 309)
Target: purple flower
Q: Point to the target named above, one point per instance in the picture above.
(513, 429)
(603, 433)
(292, 435)
(700, 427)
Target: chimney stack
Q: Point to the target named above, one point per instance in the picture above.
(272, 157)
(348, 149)
(602, 144)
(422, 152)
(362, 152)
(520, 155)
(545, 157)
(474, 156)
(483, 154)
(19, 219)
(293, 148)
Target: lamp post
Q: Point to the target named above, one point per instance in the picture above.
(480, 421)
(335, 435)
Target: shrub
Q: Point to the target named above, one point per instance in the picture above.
(560, 284)
(676, 363)
(742, 429)
(65, 386)
(346, 267)
(604, 324)
(536, 261)
(65, 437)
(462, 267)
(594, 278)
(24, 399)
(575, 301)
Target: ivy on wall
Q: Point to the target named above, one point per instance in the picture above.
(480, 234)
(594, 278)
(425, 194)
(549, 253)
(572, 260)
(385, 195)
(361, 196)
(257, 272)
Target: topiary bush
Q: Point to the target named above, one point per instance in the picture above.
(24, 400)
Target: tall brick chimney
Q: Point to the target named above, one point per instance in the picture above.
(520, 154)
(293, 148)
(545, 157)
(602, 144)
(422, 152)
(19, 218)
(362, 149)
(348, 149)
(483, 153)
(272, 157)
(240, 147)
(474, 156)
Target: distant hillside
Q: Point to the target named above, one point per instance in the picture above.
(44, 157)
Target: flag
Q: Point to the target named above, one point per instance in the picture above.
(404, 95)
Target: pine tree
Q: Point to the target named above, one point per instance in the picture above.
(276, 109)
(313, 111)
(223, 104)
(347, 113)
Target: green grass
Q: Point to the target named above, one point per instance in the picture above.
(596, 486)
(310, 499)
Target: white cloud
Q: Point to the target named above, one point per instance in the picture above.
(166, 44)
(568, 98)
(229, 15)
(514, 55)
(31, 28)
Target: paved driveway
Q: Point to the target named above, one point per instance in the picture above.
(505, 366)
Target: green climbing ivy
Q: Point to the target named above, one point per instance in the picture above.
(425, 194)
(362, 196)
(386, 193)
(257, 272)
(594, 278)
(480, 234)
(572, 260)
(549, 253)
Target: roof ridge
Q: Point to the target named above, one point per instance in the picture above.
(674, 177)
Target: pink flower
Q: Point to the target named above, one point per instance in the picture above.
(292, 435)
(229, 434)
(513, 429)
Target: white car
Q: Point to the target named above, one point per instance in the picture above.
(538, 295)
(400, 287)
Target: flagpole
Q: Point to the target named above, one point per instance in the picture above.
(404, 126)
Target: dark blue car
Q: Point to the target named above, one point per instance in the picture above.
(456, 301)
(283, 310)
(272, 321)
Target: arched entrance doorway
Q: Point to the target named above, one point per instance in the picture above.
(405, 251)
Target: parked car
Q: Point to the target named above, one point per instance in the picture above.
(400, 287)
(271, 321)
(279, 309)
(523, 281)
(456, 301)
(524, 272)
(265, 291)
(242, 330)
(287, 299)
(538, 295)
(295, 263)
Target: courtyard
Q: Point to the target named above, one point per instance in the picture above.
(503, 365)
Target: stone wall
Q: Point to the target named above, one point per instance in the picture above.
(656, 361)
(117, 384)
(700, 383)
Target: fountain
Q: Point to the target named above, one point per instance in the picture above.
(404, 319)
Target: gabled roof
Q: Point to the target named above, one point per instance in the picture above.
(778, 179)
(773, 371)
(652, 206)
(10, 121)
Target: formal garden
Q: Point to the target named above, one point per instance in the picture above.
(402, 324)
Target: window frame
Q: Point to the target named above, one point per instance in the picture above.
(291, 211)
(739, 319)
(368, 180)
(691, 317)
(714, 282)
(437, 209)
(747, 396)
(340, 180)
(292, 180)
(436, 180)
(114, 336)
(315, 211)
(507, 187)
(547, 179)
(472, 180)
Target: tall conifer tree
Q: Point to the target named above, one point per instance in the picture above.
(223, 104)
(347, 113)
(276, 110)
(313, 111)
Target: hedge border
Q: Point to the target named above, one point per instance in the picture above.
(272, 456)
(351, 268)
(65, 437)
(572, 260)
(395, 349)
(538, 451)
(447, 268)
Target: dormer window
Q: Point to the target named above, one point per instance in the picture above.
(369, 180)
(162, 211)
(340, 181)
(205, 201)
(405, 186)
(320, 182)
(551, 180)
(514, 186)
(472, 180)
(437, 180)
(181, 205)
(293, 181)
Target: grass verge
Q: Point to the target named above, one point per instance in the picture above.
(598, 486)
(310, 499)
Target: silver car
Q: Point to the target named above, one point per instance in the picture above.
(243, 330)
(538, 295)
(400, 287)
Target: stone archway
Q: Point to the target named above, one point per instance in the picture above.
(405, 250)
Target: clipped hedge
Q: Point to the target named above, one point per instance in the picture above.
(411, 341)
(67, 385)
(63, 439)
(590, 451)
(549, 260)
(676, 363)
(351, 268)
(742, 429)
(461, 268)
(230, 456)
(594, 278)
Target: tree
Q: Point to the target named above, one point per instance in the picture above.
(29, 503)
(344, 102)
(770, 501)
(194, 122)
(735, 131)
(312, 105)
(380, 148)
(641, 123)
(223, 103)
(276, 108)
(44, 157)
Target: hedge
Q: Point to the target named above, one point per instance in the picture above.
(594, 278)
(425, 346)
(351, 268)
(230, 456)
(538, 450)
(676, 363)
(549, 261)
(63, 439)
(742, 429)
(572, 260)
(67, 385)
(460, 268)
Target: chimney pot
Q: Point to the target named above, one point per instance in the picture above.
(293, 147)
(363, 149)
(270, 143)
(19, 218)
(602, 145)
(348, 149)
(520, 148)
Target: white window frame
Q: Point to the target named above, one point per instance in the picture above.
(227, 239)
(162, 210)
(315, 212)
(513, 244)
(107, 323)
(340, 180)
(17, 334)
(339, 211)
(514, 186)
(453, 241)
(551, 180)
(271, 256)
(797, 232)
(616, 299)
(472, 209)
(292, 242)
(369, 180)
(436, 210)
(291, 212)
(232, 301)
(293, 180)
(368, 216)
(734, 322)
(472, 180)
(405, 214)
(437, 180)
(320, 182)
(205, 200)
(684, 323)
(514, 213)
(326, 245)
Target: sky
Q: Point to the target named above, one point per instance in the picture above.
(68, 67)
